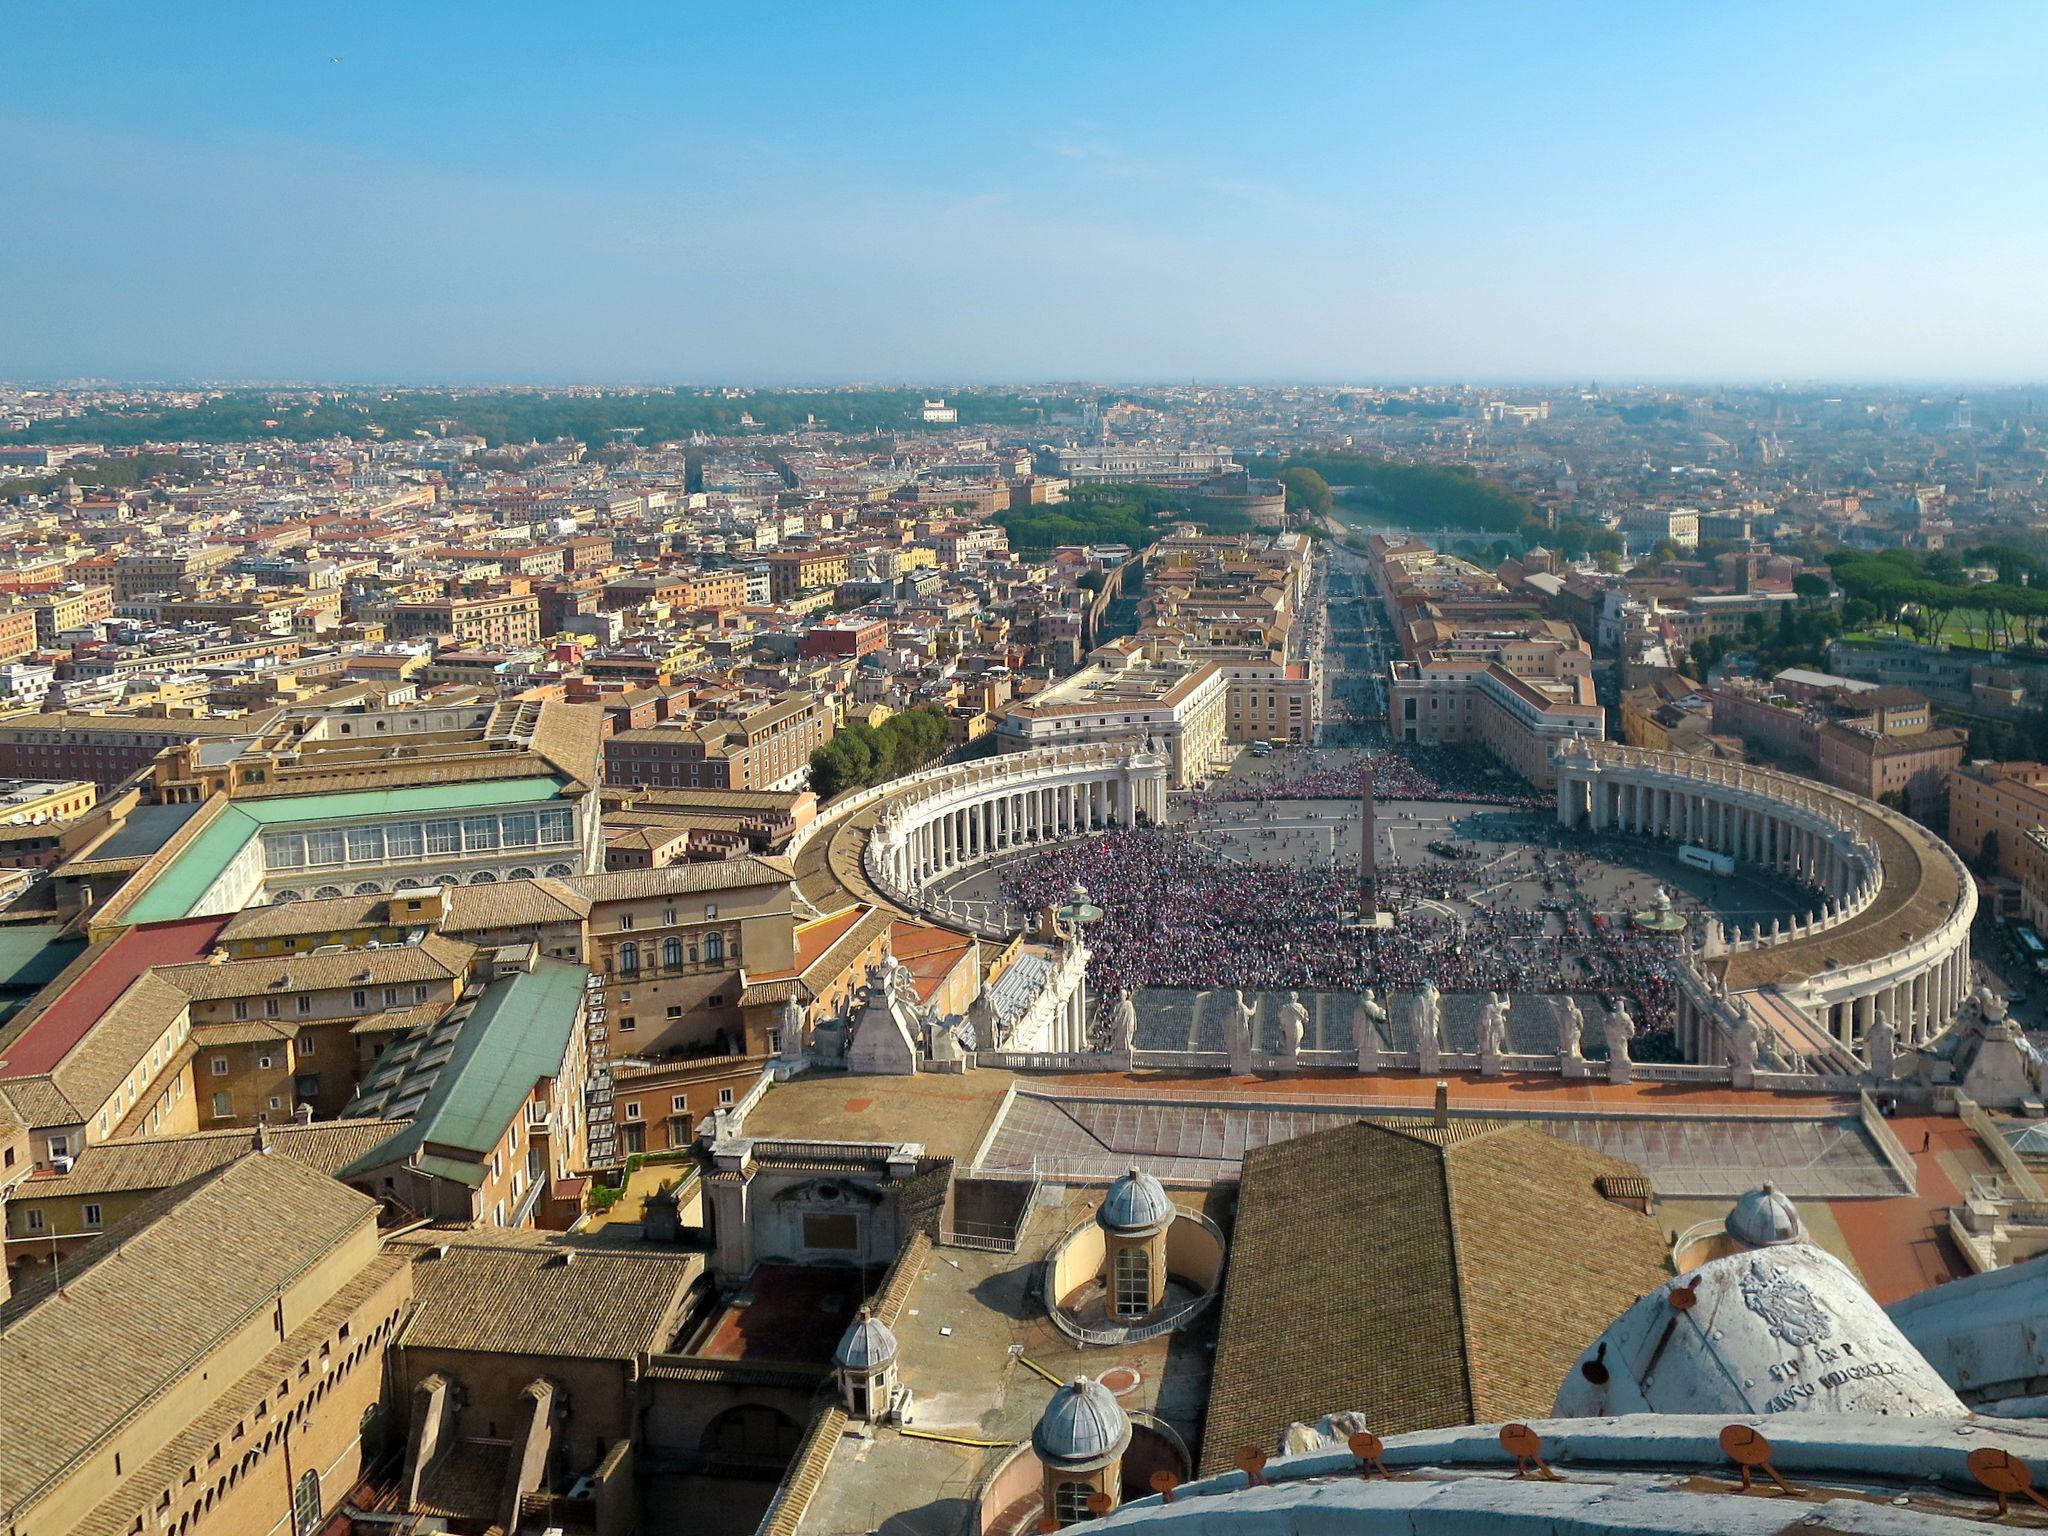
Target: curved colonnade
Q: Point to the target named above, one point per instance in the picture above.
(1892, 941)
(942, 821)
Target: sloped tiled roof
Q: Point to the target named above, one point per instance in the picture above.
(160, 1288)
(491, 1295)
(1424, 1277)
(159, 1162)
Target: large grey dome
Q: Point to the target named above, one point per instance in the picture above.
(1082, 1428)
(1136, 1203)
(867, 1344)
(1780, 1329)
(1763, 1217)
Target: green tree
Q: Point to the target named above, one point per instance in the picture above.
(1308, 493)
(1812, 587)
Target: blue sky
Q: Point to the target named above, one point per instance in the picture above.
(616, 192)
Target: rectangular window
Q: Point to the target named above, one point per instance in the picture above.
(263, 1063)
(359, 998)
(479, 833)
(839, 1232)
(557, 826)
(241, 1008)
(675, 1010)
(272, 1007)
(220, 1066)
(35, 1220)
(680, 1103)
(402, 840)
(366, 845)
(444, 837)
(626, 1023)
(92, 1215)
(632, 1111)
(305, 1004)
(223, 1106)
(419, 992)
(625, 922)
(520, 829)
(286, 850)
(725, 1095)
(323, 847)
(306, 1044)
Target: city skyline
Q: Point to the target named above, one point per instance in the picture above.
(1311, 195)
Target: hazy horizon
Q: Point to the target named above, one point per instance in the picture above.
(475, 196)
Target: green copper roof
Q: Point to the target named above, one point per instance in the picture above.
(515, 1037)
(188, 877)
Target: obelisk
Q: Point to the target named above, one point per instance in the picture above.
(1365, 838)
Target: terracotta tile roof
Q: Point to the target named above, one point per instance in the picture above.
(491, 1296)
(161, 1288)
(1421, 1284)
(158, 1162)
(514, 903)
(683, 879)
(432, 959)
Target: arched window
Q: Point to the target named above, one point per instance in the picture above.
(371, 1431)
(1133, 1282)
(672, 953)
(629, 959)
(367, 888)
(483, 877)
(753, 1430)
(1070, 1502)
(559, 871)
(519, 872)
(328, 892)
(714, 946)
(306, 1503)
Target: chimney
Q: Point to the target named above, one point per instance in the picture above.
(1443, 1103)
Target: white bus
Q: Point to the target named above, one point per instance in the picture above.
(1705, 858)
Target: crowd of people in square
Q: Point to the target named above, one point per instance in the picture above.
(1178, 912)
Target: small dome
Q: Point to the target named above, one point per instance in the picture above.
(1763, 1217)
(1136, 1203)
(1779, 1329)
(867, 1344)
(1082, 1428)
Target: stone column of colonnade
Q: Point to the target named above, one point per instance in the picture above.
(1010, 818)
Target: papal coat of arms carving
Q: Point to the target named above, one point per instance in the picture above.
(1788, 1306)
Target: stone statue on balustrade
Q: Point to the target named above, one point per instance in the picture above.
(1366, 1021)
(1293, 1026)
(791, 1042)
(1237, 1035)
(1881, 1050)
(1429, 1025)
(1620, 1028)
(1742, 1038)
(1493, 1034)
(1571, 1034)
(1123, 1029)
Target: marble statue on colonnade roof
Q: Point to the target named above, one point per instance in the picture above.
(1493, 1034)
(1237, 1035)
(1429, 1024)
(1366, 1020)
(1881, 1050)
(1123, 1028)
(1742, 1038)
(1620, 1028)
(1571, 1031)
(1293, 1026)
